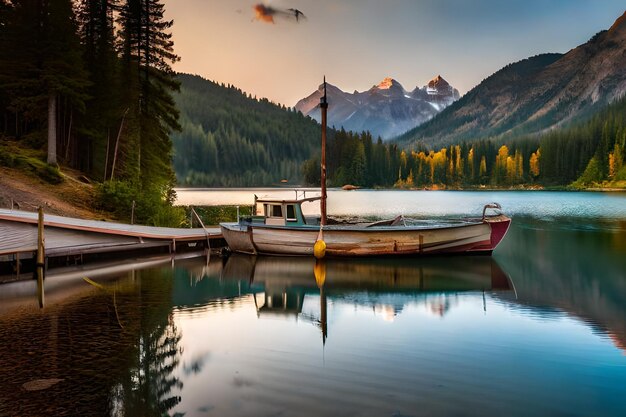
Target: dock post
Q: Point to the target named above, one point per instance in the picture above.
(41, 247)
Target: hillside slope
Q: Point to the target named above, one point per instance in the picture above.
(535, 94)
(26, 184)
(231, 139)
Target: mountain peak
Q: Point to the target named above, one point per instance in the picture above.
(438, 82)
(619, 24)
(385, 110)
(387, 83)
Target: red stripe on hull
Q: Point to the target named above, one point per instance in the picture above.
(498, 231)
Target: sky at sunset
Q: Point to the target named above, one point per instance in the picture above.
(357, 43)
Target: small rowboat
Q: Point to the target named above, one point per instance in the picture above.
(283, 229)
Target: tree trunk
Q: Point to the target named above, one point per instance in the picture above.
(52, 129)
(117, 142)
(106, 160)
(69, 135)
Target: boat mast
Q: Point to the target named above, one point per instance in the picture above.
(324, 108)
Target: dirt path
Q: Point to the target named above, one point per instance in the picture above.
(71, 198)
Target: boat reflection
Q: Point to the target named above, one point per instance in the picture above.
(280, 284)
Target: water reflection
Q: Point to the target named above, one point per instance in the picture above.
(537, 329)
(150, 387)
(576, 267)
(384, 285)
(104, 368)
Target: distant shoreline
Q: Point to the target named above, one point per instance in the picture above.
(308, 188)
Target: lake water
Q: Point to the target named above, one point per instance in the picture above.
(538, 329)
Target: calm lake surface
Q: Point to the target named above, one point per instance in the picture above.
(538, 329)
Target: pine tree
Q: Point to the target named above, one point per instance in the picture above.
(20, 65)
(104, 110)
(62, 69)
(42, 70)
(147, 53)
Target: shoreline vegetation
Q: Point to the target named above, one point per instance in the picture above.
(582, 155)
(27, 182)
(27, 191)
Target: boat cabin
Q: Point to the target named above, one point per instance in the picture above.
(274, 212)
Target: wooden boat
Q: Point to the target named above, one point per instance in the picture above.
(282, 229)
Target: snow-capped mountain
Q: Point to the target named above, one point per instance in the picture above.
(386, 109)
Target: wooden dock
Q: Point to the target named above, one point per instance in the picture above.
(70, 240)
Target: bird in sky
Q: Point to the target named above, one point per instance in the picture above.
(298, 14)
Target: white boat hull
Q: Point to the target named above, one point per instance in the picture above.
(478, 237)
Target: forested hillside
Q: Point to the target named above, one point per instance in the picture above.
(89, 83)
(587, 154)
(480, 112)
(229, 138)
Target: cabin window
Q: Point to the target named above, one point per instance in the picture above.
(276, 210)
(291, 212)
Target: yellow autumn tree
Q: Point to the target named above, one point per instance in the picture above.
(616, 161)
(482, 169)
(440, 166)
(510, 170)
(409, 180)
(470, 162)
(458, 165)
(403, 163)
(534, 163)
(431, 163)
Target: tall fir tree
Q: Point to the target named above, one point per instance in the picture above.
(42, 67)
(62, 69)
(104, 109)
(147, 50)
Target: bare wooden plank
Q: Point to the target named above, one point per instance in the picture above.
(151, 232)
(17, 237)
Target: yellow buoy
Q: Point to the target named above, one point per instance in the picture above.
(319, 249)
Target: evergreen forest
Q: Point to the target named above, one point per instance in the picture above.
(231, 139)
(90, 83)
